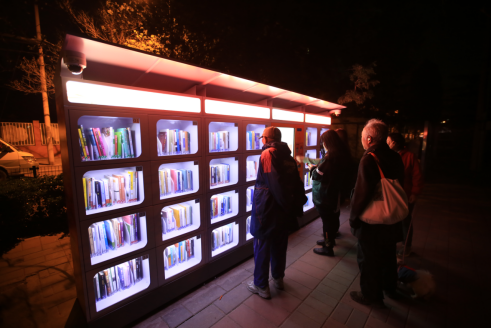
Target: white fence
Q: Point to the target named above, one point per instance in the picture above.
(18, 134)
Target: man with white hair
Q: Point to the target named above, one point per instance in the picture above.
(376, 249)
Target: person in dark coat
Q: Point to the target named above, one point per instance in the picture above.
(329, 176)
(376, 249)
(277, 202)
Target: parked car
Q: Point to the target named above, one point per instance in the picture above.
(13, 159)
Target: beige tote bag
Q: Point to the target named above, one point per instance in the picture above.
(389, 205)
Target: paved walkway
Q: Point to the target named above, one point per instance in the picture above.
(451, 240)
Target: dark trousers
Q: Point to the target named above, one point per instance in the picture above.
(272, 249)
(377, 265)
(407, 228)
(331, 223)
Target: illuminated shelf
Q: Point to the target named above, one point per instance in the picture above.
(252, 166)
(323, 130)
(311, 137)
(182, 256)
(111, 189)
(249, 198)
(179, 219)
(123, 283)
(253, 134)
(223, 172)
(224, 206)
(310, 154)
(178, 179)
(223, 136)
(248, 228)
(224, 238)
(309, 204)
(118, 236)
(308, 182)
(176, 137)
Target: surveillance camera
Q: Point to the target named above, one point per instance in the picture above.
(75, 61)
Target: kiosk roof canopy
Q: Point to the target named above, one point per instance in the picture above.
(116, 64)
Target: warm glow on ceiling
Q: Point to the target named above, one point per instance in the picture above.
(317, 119)
(94, 94)
(234, 109)
(285, 115)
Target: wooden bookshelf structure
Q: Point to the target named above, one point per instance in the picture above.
(150, 220)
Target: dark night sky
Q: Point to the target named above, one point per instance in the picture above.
(431, 55)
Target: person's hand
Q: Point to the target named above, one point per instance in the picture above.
(299, 159)
(412, 199)
(311, 166)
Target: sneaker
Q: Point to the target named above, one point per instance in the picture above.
(320, 242)
(279, 283)
(262, 292)
(359, 298)
(327, 251)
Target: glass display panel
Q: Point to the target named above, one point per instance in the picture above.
(176, 137)
(248, 228)
(288, 136)
(111, 189)
(112, 238)
(252, 165)
(177, 179)
(107, 138)
(182, 256)
(308, 182)
(223, 172)
(224, 238)
(223, 136)
(121, 281)
(250, 191)
(224, 206)
(310, 154)
(253, 134)
(309, 203)
(179, 219)
(311, 137)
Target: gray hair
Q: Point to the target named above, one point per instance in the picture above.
(377, 129)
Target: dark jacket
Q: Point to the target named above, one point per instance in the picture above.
(279, 192)
(329, 178)
(367, 179)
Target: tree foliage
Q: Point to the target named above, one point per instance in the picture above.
(362, 79)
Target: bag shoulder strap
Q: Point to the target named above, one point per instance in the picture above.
(377, 163)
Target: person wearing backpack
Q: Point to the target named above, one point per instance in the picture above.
(277, 203)
(376, 249)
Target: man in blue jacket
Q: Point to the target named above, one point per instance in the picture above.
(277, 202)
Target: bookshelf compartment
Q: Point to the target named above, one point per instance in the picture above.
(323, 130)
(223, 136)
(253, 134)
(311, 137)
(224, 206)
(223, 172)
(116, 283)
(249, 236)
(310, 154)
(112, 189)
(252, 166)
(309, 204)
(250, 191)
(179, 219)
(182, 256)
(224, 238)
(178, 179)
(101, 138)
(176, 137)
(308, 182)
(112, 238)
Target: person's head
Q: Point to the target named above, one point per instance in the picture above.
(396, 141)
(332, 143)
(271, 134)
(374, 132)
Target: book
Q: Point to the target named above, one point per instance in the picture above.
(222, 236)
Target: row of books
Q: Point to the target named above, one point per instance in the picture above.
(179, 253)
(173, 181)
(120, 277)
(308, 179)
(106, 143)
(220, 174)
(222, 236)
(250, 191)
(308, 139)
(248, 225)
(176, 217)
(219, 141)
(112, 234)
(173, 142)
(253, 140)
(111, 190)
(251, 170)
(220, 205)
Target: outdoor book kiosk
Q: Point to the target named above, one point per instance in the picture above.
(159, 164)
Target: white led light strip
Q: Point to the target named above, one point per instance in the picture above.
(233, 109)
(285, 115)
(317, 119)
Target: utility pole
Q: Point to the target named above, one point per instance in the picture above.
(44, 93)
